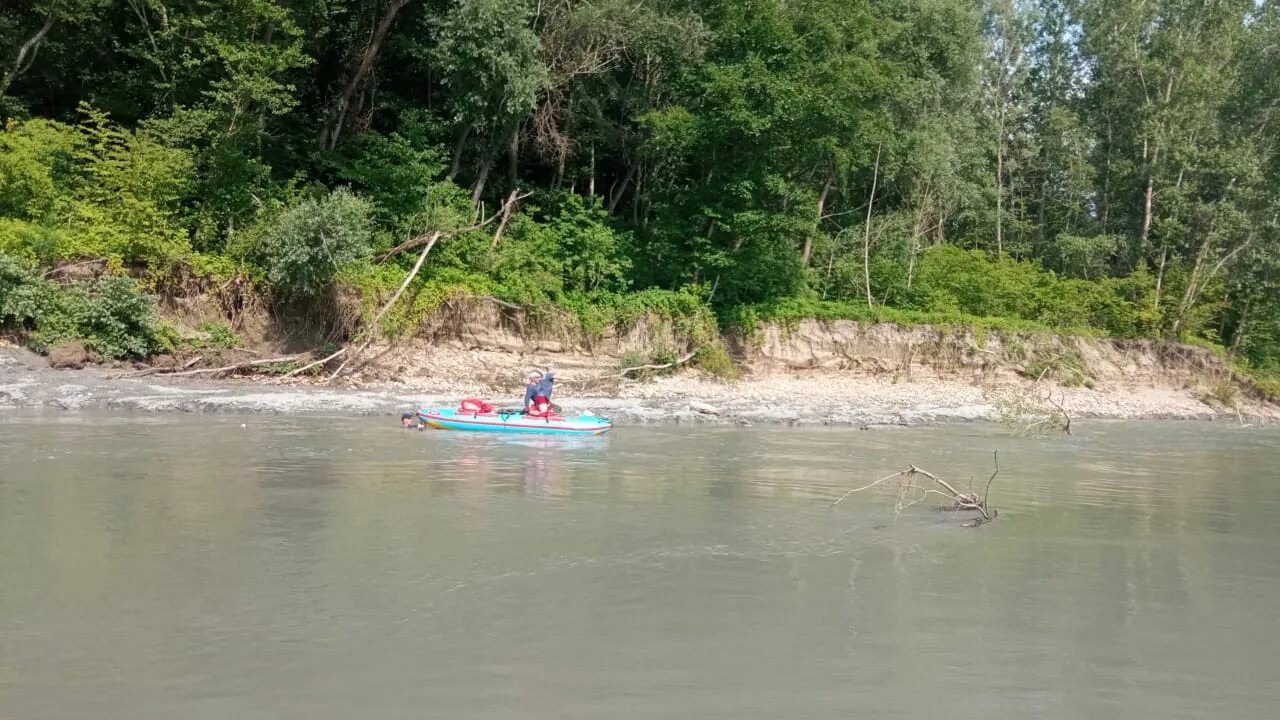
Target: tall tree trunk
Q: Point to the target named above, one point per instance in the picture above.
(635, 198)
(1041, 214)
(1106, 183)
(558, 181)
(513, 158)
(1242, 327)
(591, 181)
(1199, 279)
(26, 55)
(456, 166)
(817, 222)
(1148, 196)
(615, 196)
(913, 249)
(866, 236)
(1000, 193)
(1160, 277)
(356, 78)
(1164, 257)
(486, 165)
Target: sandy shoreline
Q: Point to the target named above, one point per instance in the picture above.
(809, 398)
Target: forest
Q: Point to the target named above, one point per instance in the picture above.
(1105, 167)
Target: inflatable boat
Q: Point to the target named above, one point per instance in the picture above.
(513, 421)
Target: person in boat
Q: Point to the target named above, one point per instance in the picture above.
(537, 394)
(532, 399)
(547, 386)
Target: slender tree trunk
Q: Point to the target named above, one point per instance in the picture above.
(913, 249)
(635, 196)
(1000, 194)
(458, 147)
(338, 115)
(1148, 196)
(1144, 237)
(513, 158)
(1106, 183)
(1164, 257)
(615, 197)
(817, 222)
(1199, 279)
(591, 181)
(1189, 295)
(486, 165)
(1241, 328)
(558, 181)
(26, 55)
(866, 237)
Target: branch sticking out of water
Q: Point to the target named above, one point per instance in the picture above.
(910, 492)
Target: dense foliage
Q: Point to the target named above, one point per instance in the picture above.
(1105, 166)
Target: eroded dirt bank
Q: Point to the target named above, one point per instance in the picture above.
(811, 372)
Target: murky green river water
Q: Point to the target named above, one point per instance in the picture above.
(184, 566)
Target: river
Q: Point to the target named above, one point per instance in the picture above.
(216, 566)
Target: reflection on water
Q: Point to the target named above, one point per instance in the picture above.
(189, 566)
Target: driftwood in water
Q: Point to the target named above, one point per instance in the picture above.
(911, 492)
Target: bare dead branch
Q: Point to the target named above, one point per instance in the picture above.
(223, 370)
(1066, 419)
(663, 366)
(910, 493)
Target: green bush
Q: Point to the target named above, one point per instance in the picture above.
(111, 315)
(303, 247)
(714, 359)
(25, 297)
(220, 336)
(114, 318)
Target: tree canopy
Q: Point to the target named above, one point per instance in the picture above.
(1108, 165)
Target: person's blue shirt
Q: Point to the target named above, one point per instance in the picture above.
(546, 385)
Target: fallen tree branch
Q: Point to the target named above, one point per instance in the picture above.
(59, 269)
(508, 208)
(663, 366)
(156, 370)
(429, 240)
(869, 486)
(225, 369)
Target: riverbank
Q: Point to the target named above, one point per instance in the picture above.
(405, 381)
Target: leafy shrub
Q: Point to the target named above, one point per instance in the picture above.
(111, 315)
(714, 359)
(24, 296)
(303, 247)
(37, 167)
(114, 318)
(220, 336)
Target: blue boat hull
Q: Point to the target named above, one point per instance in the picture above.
(450, 419)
